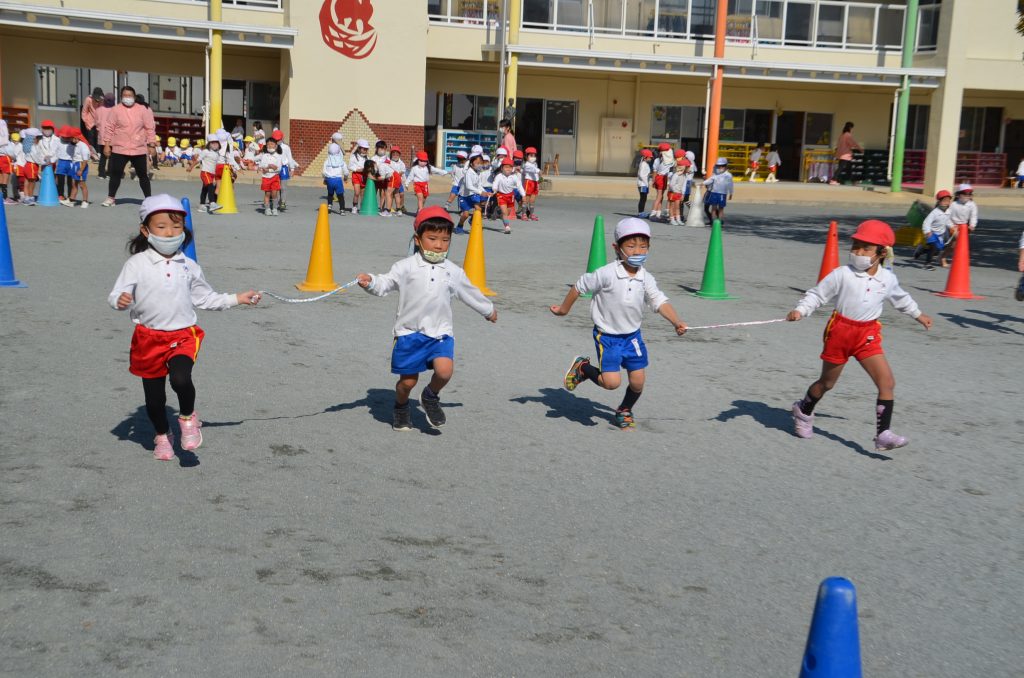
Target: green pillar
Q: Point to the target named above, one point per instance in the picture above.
(903, 104)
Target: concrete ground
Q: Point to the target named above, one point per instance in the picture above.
(529, 537)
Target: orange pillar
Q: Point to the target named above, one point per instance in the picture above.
(715, 112)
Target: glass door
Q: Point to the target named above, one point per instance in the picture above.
(560, 136)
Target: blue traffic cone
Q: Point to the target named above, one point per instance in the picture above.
(47, 188)
(7, 278)
(190, 248)
(833, 642)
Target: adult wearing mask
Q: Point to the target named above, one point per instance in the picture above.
(506, 139)
(128, 131)
(844, 154)
(88, 120)
(102, 112)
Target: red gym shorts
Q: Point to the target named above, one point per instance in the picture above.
(531, 187)
(674, 197)
(5, 164)
(219, 171)
(357, 179)
(845, 338)
(754, 165)
(507, 200)
(421, 188)
(271, 183)
(395, 181)
(660, 180)
(207, 178)
(31, 171)
(151, 349)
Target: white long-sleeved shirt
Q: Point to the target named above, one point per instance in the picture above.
(720, 183)
(269, 164)
(51, 147)
(335, 167)
(472, 183)
(5, 136)
(356, 162)
(508, 184)
(617, 306)
(859, 296)
(773, 159)
(398, 167)
(166, 291)
(755, 155)
(420, 173)
(964, 213)
(458, 171)
(531, 172)
(425, 295)
(937, 222)
(677, 182)
(643, 174)
(208, 160)
(228, 157)
(665, 163)
(286, 151)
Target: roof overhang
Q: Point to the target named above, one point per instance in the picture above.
(157, 28)
(619, 62)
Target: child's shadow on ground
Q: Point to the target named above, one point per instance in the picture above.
(138, 429)
(781, 420)
(381, 403)
(563, 405)
(998, 323)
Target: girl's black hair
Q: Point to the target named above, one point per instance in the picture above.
(370, 169)
(847, 127)
(140, 243)
(257, 125)
(381, 144)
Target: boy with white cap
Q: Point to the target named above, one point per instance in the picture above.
(720, 190)
(356, 161)
(458, 171)
(620, 290)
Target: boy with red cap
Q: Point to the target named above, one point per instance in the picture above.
(860, 289)
(419, 178)
(531, 182)
(936, 228)
(663, 165)
(643, 180)
(394, 197)
(80, 156)
(620, 291)
(62, 171)
(426, 282)
(505, 185)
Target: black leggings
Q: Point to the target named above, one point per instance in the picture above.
(116, 170)
(208, 194)
(63, 185)
(643, 201)
(844, 173)
(180, 371)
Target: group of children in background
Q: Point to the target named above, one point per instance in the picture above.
(671, 174)
(507, 186)
(942, 225)
(24, 155)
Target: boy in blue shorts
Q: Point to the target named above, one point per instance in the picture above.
(620, 290)
(426, 282)
(720, 189)
(472, 193)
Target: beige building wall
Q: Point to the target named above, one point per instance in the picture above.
(192, 11)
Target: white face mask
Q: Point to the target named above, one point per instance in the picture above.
(860, 263)
(434, 257)
(128, 101)
(166, 246)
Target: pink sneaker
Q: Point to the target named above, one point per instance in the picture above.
(887, 440)
(191, 433)
(164, 449)
(803, 423)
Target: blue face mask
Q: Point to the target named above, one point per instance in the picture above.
(166, 246)
(637, 260)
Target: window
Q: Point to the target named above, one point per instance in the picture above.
(672, 16)
(830, 24)
(860, 26)
(818, 129)
(733, 123)
(487, 113)
(928, 28)
(703, 20)
(677, 123)
(640, 15)
(470, 112)
(264, 100)
(57, 86)
(608, 15)
(537, 12)
(572, 13)
(979, 129)
(798, 23)
(560, 117)
(890, 26)
(768, 21)
(917, 126)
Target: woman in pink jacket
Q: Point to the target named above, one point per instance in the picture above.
(128, 129)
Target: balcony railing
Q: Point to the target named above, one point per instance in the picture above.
(245, 4)
(824, 24)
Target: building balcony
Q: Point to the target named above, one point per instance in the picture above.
(795, 24)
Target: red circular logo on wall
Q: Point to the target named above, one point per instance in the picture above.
(345, 27)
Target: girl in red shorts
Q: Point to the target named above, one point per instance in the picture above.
(356, 163)
(505, 185)
(853, 330)
(419, 178)
(161, 288)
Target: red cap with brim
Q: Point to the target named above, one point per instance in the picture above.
(432, 212)
(875, 232)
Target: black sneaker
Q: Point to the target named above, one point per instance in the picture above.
(432, 408)
(401, 419)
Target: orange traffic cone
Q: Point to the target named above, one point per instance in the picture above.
(474, 265)
(320, 274)
(830, 259)
(958, 285)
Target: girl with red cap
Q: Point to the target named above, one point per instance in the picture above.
(663, 165)
(287, 165)
(936, 228)
(531, 182)
(419, 178)
(394, 195)
(860, 289)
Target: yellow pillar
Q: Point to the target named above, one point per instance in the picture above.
(947, 101)
(515, 18)
(216, 71)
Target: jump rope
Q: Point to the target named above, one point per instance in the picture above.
(353, 283)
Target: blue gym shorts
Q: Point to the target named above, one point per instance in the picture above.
(415, 353)
(455, 190)
(469, 203)
(615, 351)
(715, 199)
(84, 176)
(63, 168)
(335, 185)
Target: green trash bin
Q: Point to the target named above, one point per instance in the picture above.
(917, 213)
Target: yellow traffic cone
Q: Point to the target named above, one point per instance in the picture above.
(320, 274)
(226, 193)
(474, 265)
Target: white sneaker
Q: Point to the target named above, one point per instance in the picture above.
(84, 205)
(109, 202)
(269, 211)
(66, 202)
(274, 211)
(203, 208)
(214, 207)
(355, 209)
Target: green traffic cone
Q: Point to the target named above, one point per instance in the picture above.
(713, 284)
(598, 249)
(368, 208)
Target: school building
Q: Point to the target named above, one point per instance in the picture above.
(593, 80)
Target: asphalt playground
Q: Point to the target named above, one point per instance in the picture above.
(528, 537)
